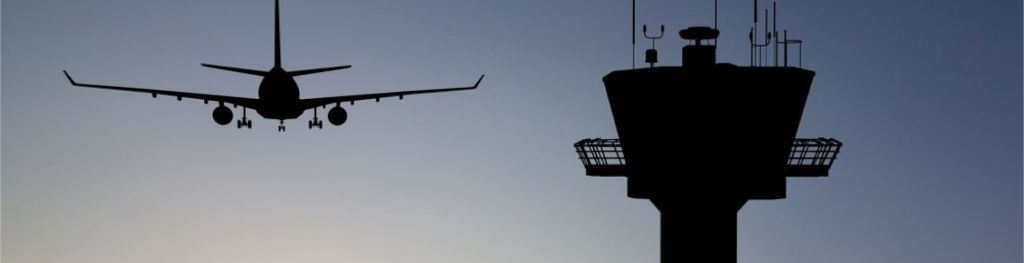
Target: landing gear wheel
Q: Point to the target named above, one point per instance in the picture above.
(315, 122)
(244, 123)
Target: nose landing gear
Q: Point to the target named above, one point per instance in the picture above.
(280, 127)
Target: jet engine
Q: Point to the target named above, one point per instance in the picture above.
(337, 115)
(222, 115)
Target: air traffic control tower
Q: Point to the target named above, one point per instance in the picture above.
(701, 139)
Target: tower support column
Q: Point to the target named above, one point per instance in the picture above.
(692, 232)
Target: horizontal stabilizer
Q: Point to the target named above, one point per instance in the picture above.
(239, 70)
(316, 70)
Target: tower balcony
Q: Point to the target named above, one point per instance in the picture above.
(808, 157)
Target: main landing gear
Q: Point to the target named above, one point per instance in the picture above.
(280, 127)
(315, 122)
(244, 122)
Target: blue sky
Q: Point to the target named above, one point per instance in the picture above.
(925, 94)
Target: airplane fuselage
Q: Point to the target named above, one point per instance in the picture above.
(279, 96)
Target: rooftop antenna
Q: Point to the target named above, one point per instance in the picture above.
(768, 37)
(785, 49)
(753, 38)
(756, 48)
(785, 41)
(651, 56)
(634, 34)
(716, 20)
(775, 31)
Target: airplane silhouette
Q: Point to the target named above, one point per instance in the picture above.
(278, 93)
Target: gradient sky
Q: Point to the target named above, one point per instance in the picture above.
(925, 94)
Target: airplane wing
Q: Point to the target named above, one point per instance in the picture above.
(244, 102)
(323, 101)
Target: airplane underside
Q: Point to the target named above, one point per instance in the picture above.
(223, 115)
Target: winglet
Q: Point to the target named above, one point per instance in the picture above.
(478, 81)
(69, 78)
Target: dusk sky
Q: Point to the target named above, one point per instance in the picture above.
(925, 95)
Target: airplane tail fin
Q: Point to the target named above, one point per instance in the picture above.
(316, 70)
(277, 49)
(277, 36)
(239, 70)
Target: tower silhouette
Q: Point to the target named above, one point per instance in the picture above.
(701, 139)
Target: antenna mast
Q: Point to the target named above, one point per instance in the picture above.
(775, 31)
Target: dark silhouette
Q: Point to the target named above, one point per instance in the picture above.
(701, 139)
(651, 55)
(278, 93)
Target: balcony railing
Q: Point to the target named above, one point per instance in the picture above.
(601, 157)
(812, 157)
(807, 157)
